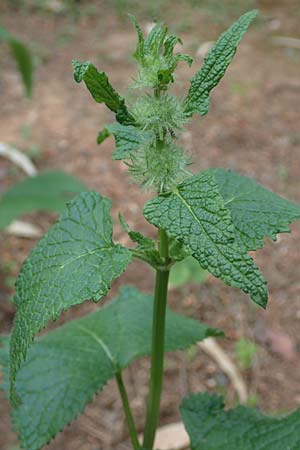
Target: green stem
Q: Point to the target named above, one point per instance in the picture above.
(128, 413)
(158, 341)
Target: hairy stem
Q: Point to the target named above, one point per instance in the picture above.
(128, 413)
(158, 341)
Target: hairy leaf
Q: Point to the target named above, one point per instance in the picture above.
(23, 58)
(210, 427)
(256, 212)
(155, 40)
(169, 45)
(195, 214)
(66, 367)
(47, 191)
(75, 261)
(155, 57)
(215, 65)
(140, 50)
(128, 139)
(101, 89)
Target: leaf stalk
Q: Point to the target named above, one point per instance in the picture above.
(128, 413)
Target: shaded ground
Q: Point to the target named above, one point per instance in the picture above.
(253, 128)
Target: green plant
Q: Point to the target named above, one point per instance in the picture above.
(46, 191)
(23, 58)
(245, 351)
(216, 216)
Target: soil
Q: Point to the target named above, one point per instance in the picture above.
(252, 128)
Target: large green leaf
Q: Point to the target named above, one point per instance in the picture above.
(66, 367)
(22, 57)
(195, 214)
(101, 89)
(215, 65)
(47, 191)
(128, 139)
(75, 261)
(210, 427)
(256, 212)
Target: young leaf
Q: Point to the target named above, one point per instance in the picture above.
(75, 261)
(155, 40)
(22, 57)
(256, 212)
(215, 65)
(169, 45)
(145, 248)
(128, 139)
(210, 427)
(66, 367)
(101, 89)
(195, 214)
(137, 237)
(140, 51)
(47, 191)
(102, 135)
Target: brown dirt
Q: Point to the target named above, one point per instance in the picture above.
(253, 128)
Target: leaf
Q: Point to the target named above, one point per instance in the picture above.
(4, 360)
(183, 57)
(155, 57)
(187, 271)
(47, 191)
(215, 65)
(137, 237)
(210, 427)
(155, 40)
(128, 139)
(24, 62)
(256, 212)
(75, 261)
(102, 135)
(101, 89)
(23, 58)
(66, 367)
(169, 45)
(140, 51)
(145, 246)
(195, 214)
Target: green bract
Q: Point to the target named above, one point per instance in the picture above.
(206, 221)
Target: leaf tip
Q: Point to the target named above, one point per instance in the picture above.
(79, 69)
